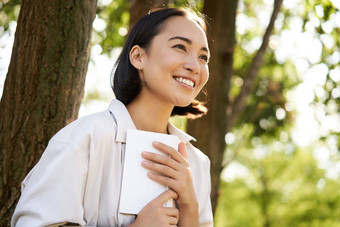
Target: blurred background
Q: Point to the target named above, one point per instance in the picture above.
(275, 94)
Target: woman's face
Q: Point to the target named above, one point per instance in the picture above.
(175, 66)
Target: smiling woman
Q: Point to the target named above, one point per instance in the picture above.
(176, 58)
(182, 32)
(162, 68)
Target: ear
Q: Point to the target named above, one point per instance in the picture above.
(136, 57)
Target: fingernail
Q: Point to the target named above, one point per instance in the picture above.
(155, 143)
(144, 153)
(145, 163)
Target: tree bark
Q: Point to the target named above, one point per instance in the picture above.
(43, 88)
(140, 8)
(210, 130)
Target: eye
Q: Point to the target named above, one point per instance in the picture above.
(204, 57)
(180, 46)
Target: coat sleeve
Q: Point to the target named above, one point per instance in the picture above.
(53, 191)
(206, 217)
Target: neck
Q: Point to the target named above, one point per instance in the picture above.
(150, 115)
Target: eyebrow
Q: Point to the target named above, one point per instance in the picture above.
(187, 41)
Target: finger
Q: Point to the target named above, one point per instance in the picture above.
(164, 180)
(173, 221)
(183, 150)
(165, 196)
(168, 150)
(161, 159)
(172, 211)
(159, 168)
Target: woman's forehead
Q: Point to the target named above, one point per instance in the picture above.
(184, 27)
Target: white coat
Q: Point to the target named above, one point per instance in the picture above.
(78, 178)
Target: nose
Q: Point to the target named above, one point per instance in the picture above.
(192, 64)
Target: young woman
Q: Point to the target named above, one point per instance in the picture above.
(162, 68)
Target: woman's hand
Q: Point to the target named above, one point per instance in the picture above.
(155, 215)
(173, 170)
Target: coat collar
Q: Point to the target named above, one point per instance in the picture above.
(184, 137)
(124, 122)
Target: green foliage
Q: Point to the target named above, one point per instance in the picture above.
(283, 184)
(179, 122)
(9, 11)
(269, 98)
(233, 201)
(273, 79)
(327, 30)
(93, 95)
(116, 18)
(193, 4)
(280, 189)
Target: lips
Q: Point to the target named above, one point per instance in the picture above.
(185, 81)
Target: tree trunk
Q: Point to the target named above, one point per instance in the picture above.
(43, 88)
(210, 130)
(140, 8)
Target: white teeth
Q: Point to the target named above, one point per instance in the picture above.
(185, 81)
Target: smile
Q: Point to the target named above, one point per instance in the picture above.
(187, 82)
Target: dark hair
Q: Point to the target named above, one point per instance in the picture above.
(126, 83)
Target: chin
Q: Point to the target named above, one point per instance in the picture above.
(183, 100)
(184, 104)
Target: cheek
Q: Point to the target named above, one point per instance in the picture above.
(204, 80)
(161, 63)
(205, 76)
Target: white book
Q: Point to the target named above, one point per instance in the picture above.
(137, 188)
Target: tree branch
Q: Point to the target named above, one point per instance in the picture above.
(239, 102)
